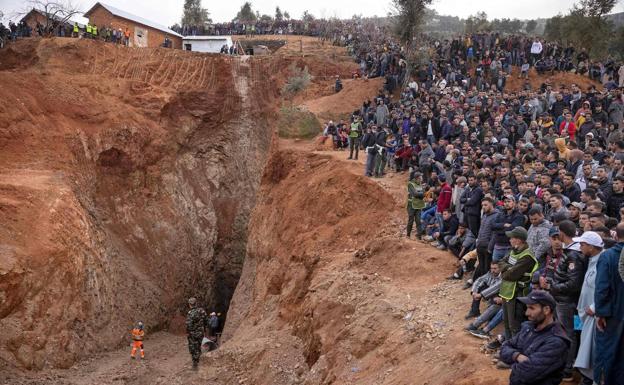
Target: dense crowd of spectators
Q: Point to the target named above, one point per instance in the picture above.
(525, 187)
(316, 27)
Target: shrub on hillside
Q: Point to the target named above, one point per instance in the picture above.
(294, 123)
(298, 81)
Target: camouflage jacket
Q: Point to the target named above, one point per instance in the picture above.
(196, 322)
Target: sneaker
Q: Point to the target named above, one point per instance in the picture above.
(441, 247)
(502, 365)
(435, 244)
(480, 334)
(468, 284)
(455, 276)
(427, 238)
(471, 328)
(471, 315)
(493, 345)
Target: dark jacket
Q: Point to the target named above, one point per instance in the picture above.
(368, 140)
(435, 127)
(449, 227)
(568, 277)
(609, 294)
(498, 226)
(574, 192)
(546, 349)
(472, 200)
(484, 238)
(614, 202)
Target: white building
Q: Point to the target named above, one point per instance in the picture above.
(210, 44)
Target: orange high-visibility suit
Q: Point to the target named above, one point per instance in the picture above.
(137, 342)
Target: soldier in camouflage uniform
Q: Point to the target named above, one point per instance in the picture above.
(196, 326)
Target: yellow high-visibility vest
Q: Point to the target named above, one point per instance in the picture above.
(88, 28)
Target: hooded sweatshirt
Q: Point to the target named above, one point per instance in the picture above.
(564, 151)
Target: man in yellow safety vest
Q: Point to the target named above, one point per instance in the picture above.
(516, 272)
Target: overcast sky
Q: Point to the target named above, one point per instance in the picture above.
(168, 12)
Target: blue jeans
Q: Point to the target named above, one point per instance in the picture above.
(428, 213)
(499, 254)
(489, 314)
(439, 220)
(370, 162)
(497, 319)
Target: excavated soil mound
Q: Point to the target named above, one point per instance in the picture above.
(122, 189)
(339, 105)
(556, 80)
(330, 294)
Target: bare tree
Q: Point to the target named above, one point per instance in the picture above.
(56, 12)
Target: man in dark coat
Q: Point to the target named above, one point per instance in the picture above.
(609, 305)
(537, 354)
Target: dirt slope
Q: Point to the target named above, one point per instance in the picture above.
(338, 105)
(556, 80)
(122, 189)
(330, 293)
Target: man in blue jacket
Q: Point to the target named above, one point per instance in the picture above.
(537, 354)
(609, 304)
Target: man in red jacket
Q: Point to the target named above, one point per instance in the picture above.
(446, 193)
(568, 127)
(444, 199)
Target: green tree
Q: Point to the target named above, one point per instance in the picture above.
(408, 19)
(246, 13)
(585, 27)
(530, 26)
(286, 15)
(597, 8)
(194, 14)
(616, 46)
(554, 29)
(478, 22)
(307, 16)
(278, 14)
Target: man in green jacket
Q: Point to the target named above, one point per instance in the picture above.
(354, 137)
(415, 202)
(516, 271)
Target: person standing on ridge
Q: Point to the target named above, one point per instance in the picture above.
(415, 202)
(196, 327)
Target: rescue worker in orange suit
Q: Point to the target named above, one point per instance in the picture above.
(137, 340)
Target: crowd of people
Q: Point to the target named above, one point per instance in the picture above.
(89, 31)
(525, 187)
(316, 27)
